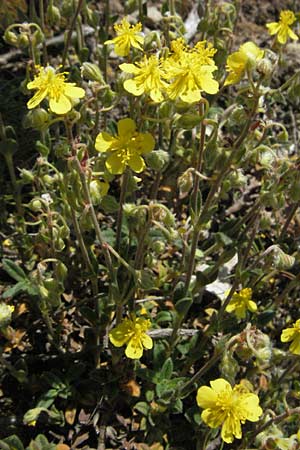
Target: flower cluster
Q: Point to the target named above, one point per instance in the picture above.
(184, 74)
(53, 87)
(292, 334)
(241, 302)
(282, 28)
(228, 407)
(126, 148)
(132, 332)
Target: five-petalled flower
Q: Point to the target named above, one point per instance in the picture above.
(132, 332)
(240, 302)
(292, 334)
(127, 36)
(238, 62)
(126, 148)
(190, 71)
(147, 78)
(282, 28)
(228, 407)
(52, 86)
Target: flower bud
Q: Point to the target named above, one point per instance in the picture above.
(5, 314)
(158, 247)
(92, 72)
(11, 38)
(23, 40)
(185, 183)
(264, 67)
(98, 189)
(36, 205)
(157, 159)
(152, 40)
(26, 175)
(53, 15)
(36, 118)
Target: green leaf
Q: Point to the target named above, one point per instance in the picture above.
(183, 305)
(14, 290)
(142, 407)
(167, 369)
(163, 316)
(109, 204)
(11, 443)
(187, 121)
(13, 270)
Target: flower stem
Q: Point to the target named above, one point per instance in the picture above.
(70, 31)
(124, 184)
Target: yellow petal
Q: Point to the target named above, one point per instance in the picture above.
(249, 406)
(136, 163)
(220, 385)
(104, 142)
(121, 334)
(206, 397)
(126, 127)
(115, 163)
(73, 91)
(252, 306)
(273, 27)
(36, 99)
(231, 427)
(147, 341)
(143, 143)
(292, 35)
(134, 349)
(60, 106)
(129, 68)
(288, 334)
(295, 345)
(282, 35)
(133, 88)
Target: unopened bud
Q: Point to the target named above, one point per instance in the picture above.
(23, 40)
(98, 190)
(53, 15)
(11, 38)
(36, 205)
(157, 159)
(92, 72)
(36, 118)
(185, 183)
(264, 67)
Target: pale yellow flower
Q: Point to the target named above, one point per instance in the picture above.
(238, 62)
(132, 332)
(240, 302)
(147, 78)
(228, 407)
(282, 28)
(292, 334)
(190, 71)
(126, 148)
(53, 87)
(127, 36)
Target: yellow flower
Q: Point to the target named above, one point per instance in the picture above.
(147, 78)
(132, 332)
(127, 36)
(241, 302)
(292, 334)
(227, 406)
(237, 63)
(126, 148)
(52, 85)
(282, 28)
(190, 71)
